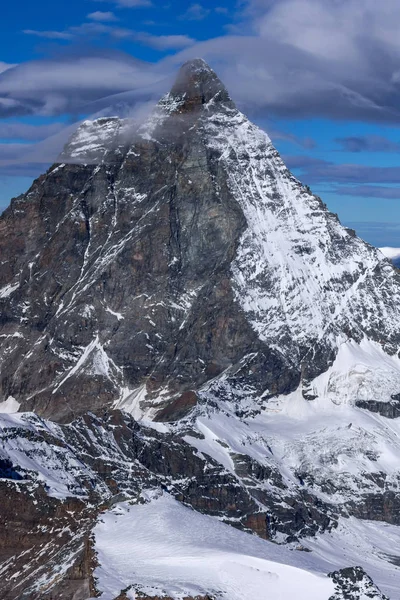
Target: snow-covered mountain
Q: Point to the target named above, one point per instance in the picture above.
(175, 270)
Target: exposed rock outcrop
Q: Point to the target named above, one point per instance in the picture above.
(353, 583)
(163, 256)
(176, 271)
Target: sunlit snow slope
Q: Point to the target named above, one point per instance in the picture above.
(163, 548)
(175, 270)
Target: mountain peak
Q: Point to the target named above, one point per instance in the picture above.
(198, 84)
(197, 65)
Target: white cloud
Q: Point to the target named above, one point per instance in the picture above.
(195, 12)
(128, 3)
(298, 58)
(98, 15)
(51, 35)
(337, 58)
(165, 42)
(51, 87)
(5, 66)
(24, 131)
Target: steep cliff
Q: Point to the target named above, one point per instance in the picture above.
(182, 319)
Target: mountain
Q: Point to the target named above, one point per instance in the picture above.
(186, 328)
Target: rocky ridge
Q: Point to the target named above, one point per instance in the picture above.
(163, 256)
(176, 271)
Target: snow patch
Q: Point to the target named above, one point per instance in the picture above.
(9, 289)
(9, 406)
(164, 548)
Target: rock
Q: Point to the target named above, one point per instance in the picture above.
(175, 270)
(354, 584)
(390, 410)
(144, 269)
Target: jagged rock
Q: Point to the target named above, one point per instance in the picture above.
(354, 584)
(46, 540)
(161, 256)
(391, 409)
(141, 596)
(176, 270)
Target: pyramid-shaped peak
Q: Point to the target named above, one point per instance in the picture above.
(197, 64)
(198, 84)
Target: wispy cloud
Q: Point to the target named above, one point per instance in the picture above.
(128, 3)
(195, 12)
(164, 42)
(51, 35)
(369, 191)
(99, 27)
(5, 66)
(98, 15)
(276, 134)
(310, 58)
(379, 233)
(25, 131)
(298, 58)
(69, 84)
(368, 143)
(316, 170)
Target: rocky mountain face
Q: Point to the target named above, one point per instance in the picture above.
(180, 313)
(163, 255)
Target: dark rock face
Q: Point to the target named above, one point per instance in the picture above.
(353, 583)
(391, 409)
(130, 270)
(101, 460)
(46, 540)
(139, 249)
(143, 272)
(142, 596)
(120, 457)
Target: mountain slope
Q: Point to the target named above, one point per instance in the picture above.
(161, 255)
(65, 479)
(182, 315)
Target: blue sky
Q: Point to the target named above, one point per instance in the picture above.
(322, 78)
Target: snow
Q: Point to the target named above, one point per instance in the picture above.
(130, 400)
(55, 466)
(303, 281)
(360, 372)
(118, 315)
(9, 406)
(93, 140)
(302, 278)
(336, 448)
(163, 547)
(9, 289)
(372, 545)
(390, 252)
(94, 361)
